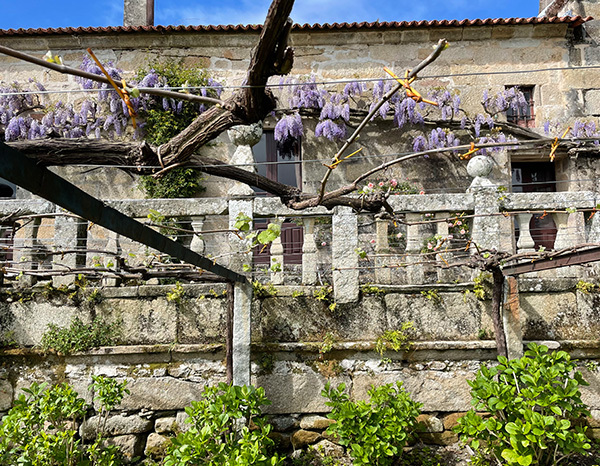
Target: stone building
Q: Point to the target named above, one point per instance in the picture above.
(174, 349)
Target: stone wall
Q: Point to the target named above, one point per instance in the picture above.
(174, 350)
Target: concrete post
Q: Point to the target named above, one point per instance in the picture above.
(344, 257)
(114, 246)
(241, 254)
(242, 325)
(309, 253)
(30, 258)
(442, 229)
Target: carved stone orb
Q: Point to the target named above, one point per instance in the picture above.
(246, 135)
(480, 165)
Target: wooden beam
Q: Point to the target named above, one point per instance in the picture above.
(24, 172)
(572, 258)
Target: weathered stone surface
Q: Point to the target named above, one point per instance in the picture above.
(284, 423)
(115, 425)
(344, 257)
(6, 395)
(282, 441)
(202, 321)
(329, 449)
(156, 445)
(182, 421)
(451, 318)
(144, 321)
(297, 391)
(438, 391)
(557, 316)
(161, 393)
(441, 438)
(131, 445)
(451, 420)
(432, 424)
(165, 425)
(302, 438)
(314, 422)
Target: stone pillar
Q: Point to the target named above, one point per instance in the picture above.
(138, 13)
(512, 319)
(31, 255)
(242, 306)
(525, 243)
(70, 234)
(240, 248)
(444, 275)
(277, 258)
(309, 253)
(197, 243)
(487, 229)
(383, 274)
(344, 257)
(414, 242)
(241, 195)
(111, 261)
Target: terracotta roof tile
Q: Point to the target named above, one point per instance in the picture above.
(569, 20)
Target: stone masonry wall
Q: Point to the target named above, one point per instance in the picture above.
(174, 350)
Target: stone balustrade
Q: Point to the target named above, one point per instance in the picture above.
(347, 248)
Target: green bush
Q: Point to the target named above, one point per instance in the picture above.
(79, 336)
(41, 427)
(227, 428)
(374, 432)
(534, 404)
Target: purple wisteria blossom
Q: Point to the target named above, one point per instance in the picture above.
(289, 127)
(331, 130)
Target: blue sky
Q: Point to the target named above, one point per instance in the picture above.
(63, 13)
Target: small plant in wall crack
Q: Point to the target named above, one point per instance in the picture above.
(263, 291)
(80, 336)
(432, 295)
(177, 294)
(395, 340)
(585, 287)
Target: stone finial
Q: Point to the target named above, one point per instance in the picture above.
(479, 167)
(138, 12)
(246, 135)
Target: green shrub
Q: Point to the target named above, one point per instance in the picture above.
(534, 404)
(41, 427)
(227, 428)
(79, 336)
(374, 432)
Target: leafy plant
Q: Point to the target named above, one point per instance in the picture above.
(585, 287)
(263, 291)
(176, 294)
(79, 336)
(372, 289)
(374, 431)
(395, 340)
(227, 428)
(327, 344)
(534, 404)
(432, 295)
(41, 428)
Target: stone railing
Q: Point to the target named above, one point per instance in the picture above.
(356, 249)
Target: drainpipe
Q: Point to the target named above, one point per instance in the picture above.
(138, 13)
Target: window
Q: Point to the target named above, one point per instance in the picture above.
(280, 162)
(524, 116)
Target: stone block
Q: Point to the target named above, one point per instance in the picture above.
(6, 395)
(297, 390)
(314, 422)
(432, 424)
(131, 446)
(301, 438)
(161, 394)
(592, 102)
(438, 391)
(165, 425)
(451, 420)
(202, 321)
(115, 426)
(451, 318)
(156, 446)
(441, 438)
(284, 423)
